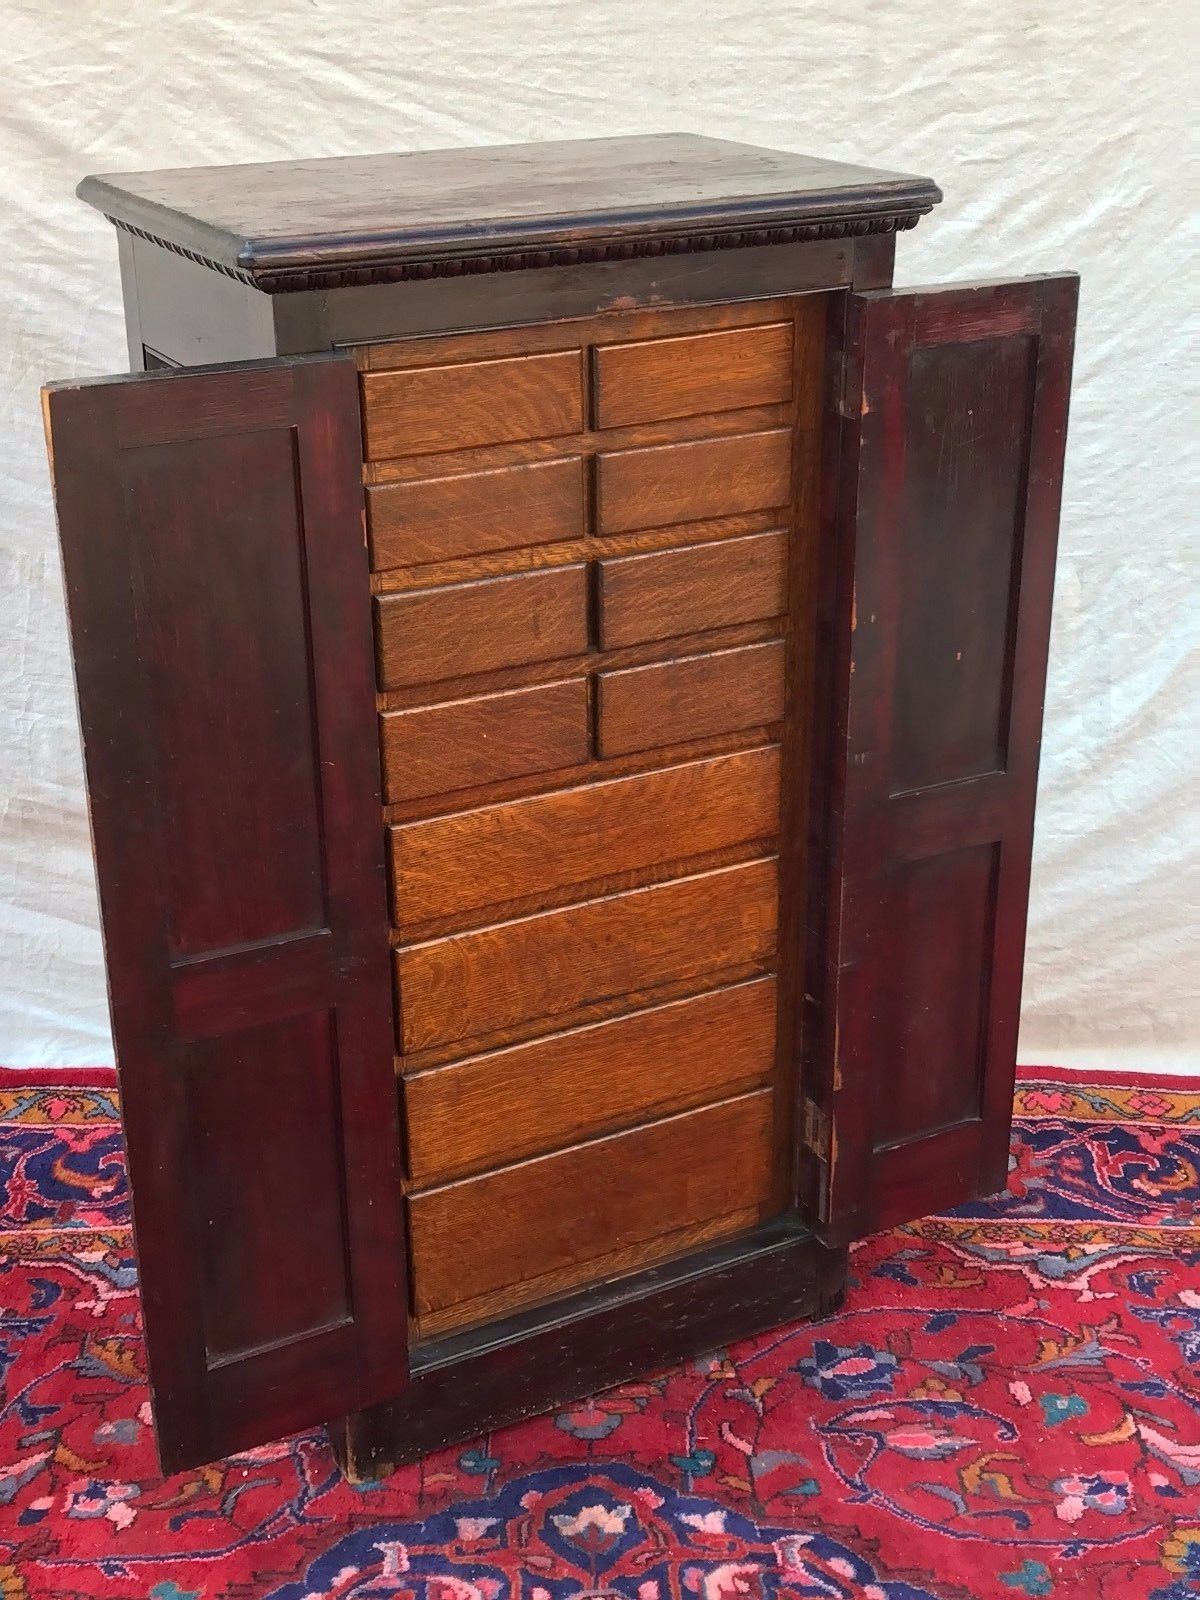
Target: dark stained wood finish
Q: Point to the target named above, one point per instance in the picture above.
(471, 403)
(296, 224)
(539, 1359)
(674, 592)
(218, 609)
(468, 513)
(693, 374)
(551, 845)
(672, 701)
(542, 1224)
(953, 483)
(467, 628)
(471, 984)
(688, 482)
(497, 1108)
(433, 750)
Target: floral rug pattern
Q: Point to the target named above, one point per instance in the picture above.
(1007, 1406)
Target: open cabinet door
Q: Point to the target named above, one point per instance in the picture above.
(955, 422)
(217, 586)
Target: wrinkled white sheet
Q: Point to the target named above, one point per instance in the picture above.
(1059, 135)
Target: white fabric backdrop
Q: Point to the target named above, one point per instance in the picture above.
(1058, 134)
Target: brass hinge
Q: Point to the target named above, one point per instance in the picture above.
(817, 1130)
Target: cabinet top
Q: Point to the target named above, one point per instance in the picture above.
(343, 220)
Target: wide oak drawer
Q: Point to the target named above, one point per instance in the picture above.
(674, 592)
(537, 1229)
(553, 843)
(695, 697)
(468, 986)
(655, 379)
(463, 628)
(472, 513)
(463, 404)
(432, 750)
(499, 1107)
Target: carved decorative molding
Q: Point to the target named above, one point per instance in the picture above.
(285, 280)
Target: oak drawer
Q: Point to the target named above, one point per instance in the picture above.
(433, 750)
(693, 481)
(673, 592)
(471, 513)
(418, 410)
(655, 379)
(545, 1225)
(500, 1107)
(547, 844)
(463, 628)
(697, 697)
(471, 985)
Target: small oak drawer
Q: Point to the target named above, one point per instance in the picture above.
(417, 410)
(549, 844)
(543, 1226)
(472, 985)
(492, 1109)
(655, 379)
(463, 628)
(471, 513)
(697, 697)
(432, 750)
(693, 481)
(674, 592)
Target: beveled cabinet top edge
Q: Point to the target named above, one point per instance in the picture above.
(347, 220)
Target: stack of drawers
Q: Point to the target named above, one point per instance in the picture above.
(580, 538)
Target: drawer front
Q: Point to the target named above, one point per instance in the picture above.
(672, 702)
(434, 750)
(469, 403)
(656, 379)
(675, 592)
(551, 844)
(546, 1223)
(471, 513)
(692, 482)
(471, 985)
(464, 628)
(506, 1105)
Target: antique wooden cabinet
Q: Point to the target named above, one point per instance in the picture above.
(560, 647)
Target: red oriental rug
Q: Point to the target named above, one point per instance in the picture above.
(1008, 1406)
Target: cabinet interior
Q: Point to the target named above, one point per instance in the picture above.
(592, 548)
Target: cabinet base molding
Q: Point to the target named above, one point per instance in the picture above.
(467, 1384)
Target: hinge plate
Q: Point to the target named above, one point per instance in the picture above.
(817, 1130)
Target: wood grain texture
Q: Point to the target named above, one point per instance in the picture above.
(690, 698)
(689, 375)
(550, 844)
(471, 984)
(466, 628)
(472, 403)
(688, 482)
(433, 750)
(959, 397)
(470, 513)
(556, 1214)
(690, 589)
(493, 1109)
(218, 606)
(364, 219)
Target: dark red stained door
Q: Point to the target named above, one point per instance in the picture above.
(957, 408)
(217, 585)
